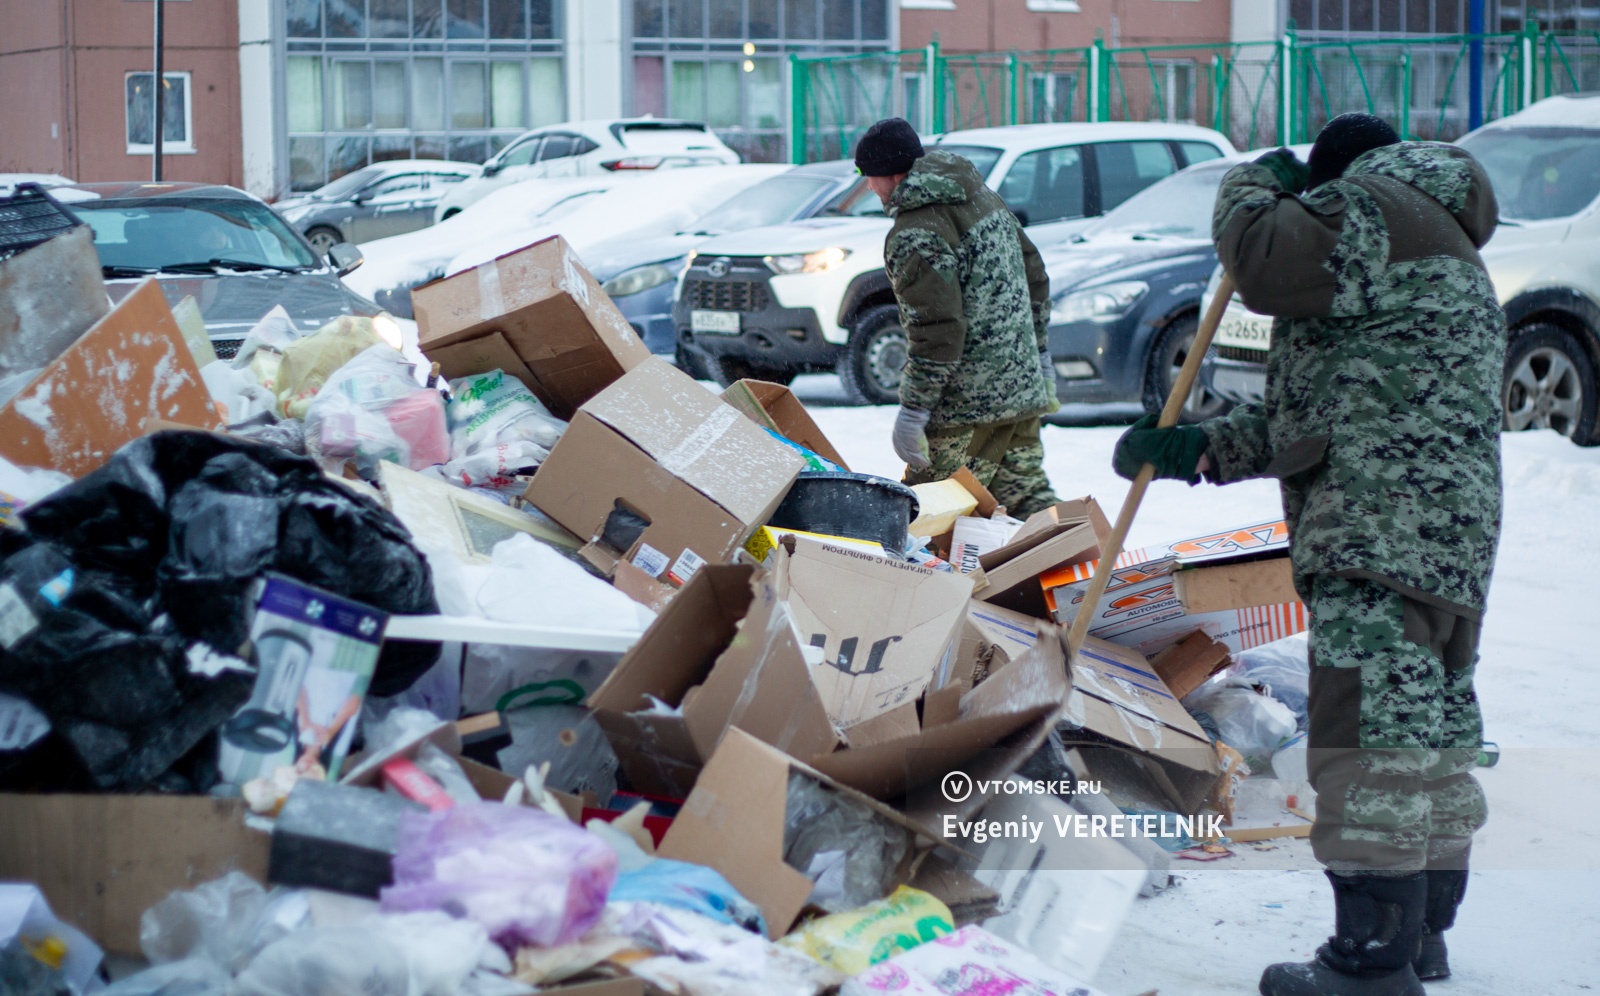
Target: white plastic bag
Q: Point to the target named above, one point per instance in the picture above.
(372, 409)
(262, 349)
(1283, 668)
(1251, 723)
(189, 977)
(497, 427)
(411, 954)
(225, 921)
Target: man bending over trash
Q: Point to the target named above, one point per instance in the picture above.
(1382, 422)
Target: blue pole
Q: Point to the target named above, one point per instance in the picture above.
(1475, 67)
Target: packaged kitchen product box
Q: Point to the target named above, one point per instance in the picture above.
(535, 313)
(658, 472)
(314, 653)
(1240, 582)
(721, 654)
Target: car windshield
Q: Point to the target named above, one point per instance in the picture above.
(1177, 207)
(1539, 173)
(980, 156)
(143, 233)
(348, 184)
(770, 202)
(856, 202)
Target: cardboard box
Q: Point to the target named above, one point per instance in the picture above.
(535, 313)
(102, 860)
(733, 821)
(657, 448)
(1190, 663)
(939, 505)
(992, 637)
(987, 507)
(775, 407)
(1067, 533)
(722, 654)
(1142, 609)
(132, 365)
(885, 627)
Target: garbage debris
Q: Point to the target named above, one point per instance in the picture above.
(39, 953)
(854, 940)
(498, 430)
(859, 506)
(372, 409)
(1252, 723)
(970, 962)
(1282, 669)
(337, 837)
(307, 364)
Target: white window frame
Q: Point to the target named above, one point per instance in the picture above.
(927, 5)
(184, 148)
(1054, 6)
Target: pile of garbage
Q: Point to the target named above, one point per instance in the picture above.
(537, 666)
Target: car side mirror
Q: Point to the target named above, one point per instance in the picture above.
(345, 257)
(491, 168)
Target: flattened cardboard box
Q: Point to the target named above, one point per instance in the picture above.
(721, 654)
(132, 365)
(535, 313)
(657, 446)
(102, 860)
(775, 407)
(885, 627)
(1010, 575)
(1142, 608)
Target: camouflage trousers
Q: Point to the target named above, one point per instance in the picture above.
(1007, 458)
(1395, 730)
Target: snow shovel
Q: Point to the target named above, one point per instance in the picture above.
(1130, 505)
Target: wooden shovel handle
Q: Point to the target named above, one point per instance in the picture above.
(1112, 549)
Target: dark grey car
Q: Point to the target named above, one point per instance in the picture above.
(384, 199)
(219, 245)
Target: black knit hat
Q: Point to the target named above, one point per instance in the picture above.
(1342, 140)
(888, 148)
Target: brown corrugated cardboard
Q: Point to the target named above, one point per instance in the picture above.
(102, 860)
(132, 365)
(992, 637)
(884, 626)
(1013, 583)
(721, 654)
(535, 313)
(733, 821)
(659, 446)
(1187, 664)
(1236, 586)
(775, 407)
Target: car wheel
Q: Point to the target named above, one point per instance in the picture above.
(691, 363)
(1167, 356)
(875, 358)
(323, 238)
(1549, 383)
(727, 369)
(447, 215)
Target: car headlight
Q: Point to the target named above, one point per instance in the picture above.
(811, 262)
(636, 280)
(1097, 304)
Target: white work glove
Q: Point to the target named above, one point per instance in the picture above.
(909, 441)
(1047, 367)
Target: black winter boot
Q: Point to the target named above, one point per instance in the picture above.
(1378, 926)
(1445, 891)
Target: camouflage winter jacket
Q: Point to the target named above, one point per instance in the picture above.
(1382, 409)
(974, 298)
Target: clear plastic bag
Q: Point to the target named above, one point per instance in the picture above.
(189, 977)
(420, 954)
(1251, 723)
(224, 921)
(526, 876)
(261, 352)
(1283, 668)
(310, 362)
(497, 427)
(848, 851)
(372, 409)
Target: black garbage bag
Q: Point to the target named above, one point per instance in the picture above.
(124, 570)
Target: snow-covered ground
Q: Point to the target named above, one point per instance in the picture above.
(1532, 912)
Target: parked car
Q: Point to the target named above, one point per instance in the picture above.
(588, 148)
(9, 181)
(221, 246)
(1126, 293)
(641, 275)
(387, 198)
(812, 295)
(1544, 259)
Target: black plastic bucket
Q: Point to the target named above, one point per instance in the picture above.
(860, 506)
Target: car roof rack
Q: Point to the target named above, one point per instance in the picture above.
(31, 216)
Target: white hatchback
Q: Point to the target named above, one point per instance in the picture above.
(592, 148)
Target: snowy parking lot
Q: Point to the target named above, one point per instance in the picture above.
(1530, 917)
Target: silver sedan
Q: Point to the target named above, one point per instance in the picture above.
(374, 202)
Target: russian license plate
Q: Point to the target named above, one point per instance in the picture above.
(716, 322)
(1247, 331)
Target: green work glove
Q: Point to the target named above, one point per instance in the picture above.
(1290, 172)
(1175, 452)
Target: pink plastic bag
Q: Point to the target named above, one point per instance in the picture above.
(526, 876)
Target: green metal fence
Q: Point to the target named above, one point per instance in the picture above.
(1257, 93)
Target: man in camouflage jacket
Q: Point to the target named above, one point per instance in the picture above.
(975, 304)
(1381, 420)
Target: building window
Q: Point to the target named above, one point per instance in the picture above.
(176, 133)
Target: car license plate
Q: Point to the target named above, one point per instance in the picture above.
(716, 322)
(1247, 330)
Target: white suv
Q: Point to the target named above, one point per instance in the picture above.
(1544, 260)
(812, 296)
(591, 148)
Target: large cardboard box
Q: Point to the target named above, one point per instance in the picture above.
(1237, 580)
(1068, 532)
(132, 365)
(775, 407)
(721, 654)
(535, 313)
(102, 860)
(657, 450)
(885, 628)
